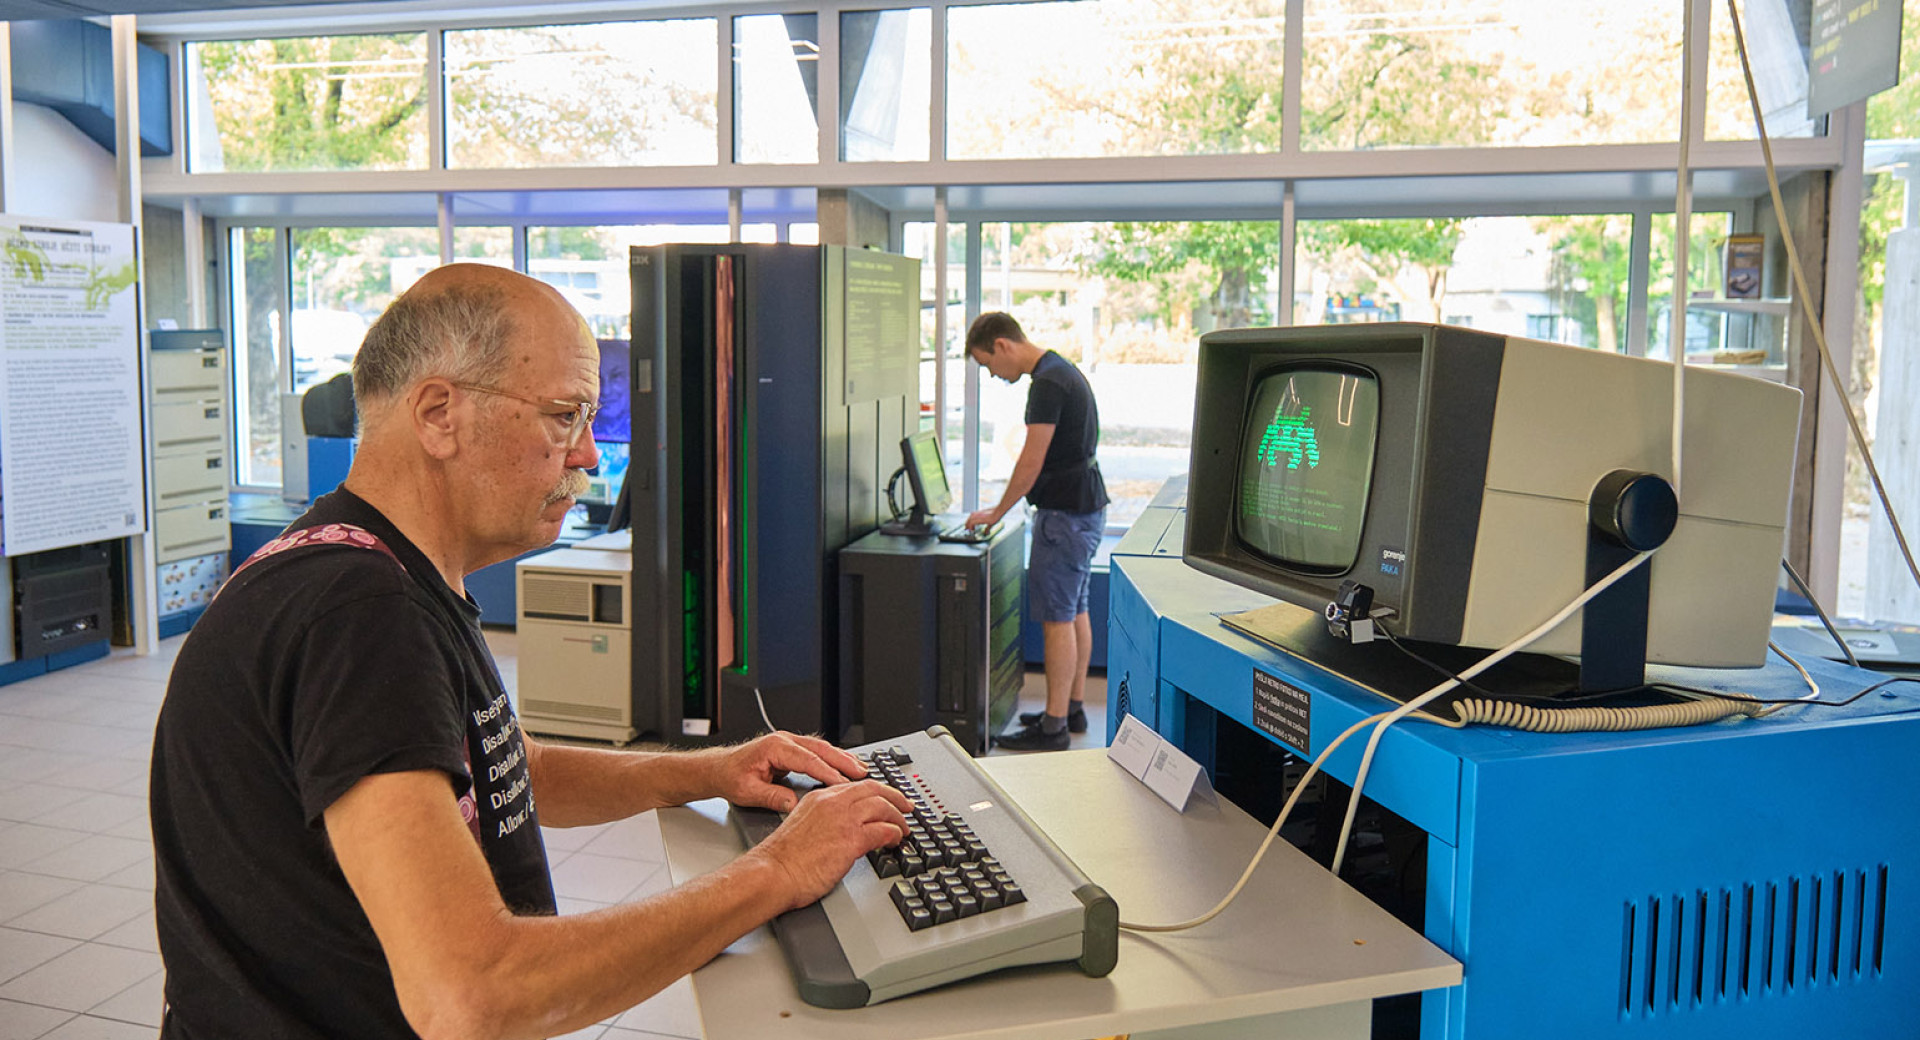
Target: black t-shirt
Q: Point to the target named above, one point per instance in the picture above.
(1069, 474)
(312, 669)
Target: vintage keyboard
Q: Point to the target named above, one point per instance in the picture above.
(975, 887)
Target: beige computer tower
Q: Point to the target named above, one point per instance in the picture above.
(576, 644)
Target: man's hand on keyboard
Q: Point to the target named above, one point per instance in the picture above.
(830, 829)
(750, 774)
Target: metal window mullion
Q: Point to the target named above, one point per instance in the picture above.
(940, 316)
(727, 149)
(1293, 53)
(1289, 264)
(1639, 277)
(970, 458)
(937, 90)
(7, 183)
(827, 101)
(437, 101)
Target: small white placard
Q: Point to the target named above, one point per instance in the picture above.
(1154, 761)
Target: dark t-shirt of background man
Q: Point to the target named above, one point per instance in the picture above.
(313, 669)
(1069, 478)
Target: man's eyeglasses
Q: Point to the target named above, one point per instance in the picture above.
(577, 415)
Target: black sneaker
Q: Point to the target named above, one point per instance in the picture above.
(1032, 738)
(1076, 719)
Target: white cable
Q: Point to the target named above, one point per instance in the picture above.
(1482, 712)
(762, 702)
(1260, 853)
(1373, 742)
(1806, 295)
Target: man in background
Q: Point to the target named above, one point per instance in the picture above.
(1058, 473)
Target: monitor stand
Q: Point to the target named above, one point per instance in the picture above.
(916, 524)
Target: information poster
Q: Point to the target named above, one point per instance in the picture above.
(883, 326)
(70, 461)
(1856, 52)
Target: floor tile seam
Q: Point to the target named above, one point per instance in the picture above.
(84, 940)
(95, 1012)
(103, 883)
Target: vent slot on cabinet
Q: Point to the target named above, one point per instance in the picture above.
(1686, 952)
(556, 599)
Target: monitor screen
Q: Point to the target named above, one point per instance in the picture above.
(1306, 464)
(614, 421)
(928, 470)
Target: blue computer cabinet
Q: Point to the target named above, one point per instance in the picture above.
(1747, 879)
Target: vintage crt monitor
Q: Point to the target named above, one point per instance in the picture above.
(1451, 472)
(926, 470)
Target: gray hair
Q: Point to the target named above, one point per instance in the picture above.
(460, 331)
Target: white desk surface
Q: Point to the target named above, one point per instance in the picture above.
(1297, 938)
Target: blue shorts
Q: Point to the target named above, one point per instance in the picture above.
(1060, 563)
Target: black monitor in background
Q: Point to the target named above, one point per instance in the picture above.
(924, 460)
(1468, 485)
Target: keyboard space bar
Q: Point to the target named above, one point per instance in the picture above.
(813, 952)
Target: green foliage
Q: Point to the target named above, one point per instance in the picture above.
(318, 103)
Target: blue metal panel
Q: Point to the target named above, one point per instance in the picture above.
(1595, 884)
(1419, 781)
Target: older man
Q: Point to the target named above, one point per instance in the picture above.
(344, 806)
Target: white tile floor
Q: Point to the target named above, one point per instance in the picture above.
(78, 958)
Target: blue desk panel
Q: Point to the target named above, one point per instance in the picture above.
(1748, 879)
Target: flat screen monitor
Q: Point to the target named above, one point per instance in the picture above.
(1448, 472)
(924, 461)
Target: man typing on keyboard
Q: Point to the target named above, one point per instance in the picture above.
(346, 815)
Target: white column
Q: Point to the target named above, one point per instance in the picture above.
(1891, 594)
(143, 602)
(6, 113)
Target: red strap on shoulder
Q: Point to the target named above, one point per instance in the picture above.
(326, 534)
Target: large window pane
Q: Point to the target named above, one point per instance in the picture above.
(254, 297)
(342, 279)
(776, 88)
(308, 103)
(886, 70)
(1114, 77)
(589, 265)
(1885, 376)
(1410, 73)
(612, 94)
(1719, 331)
(1777, 48)
(471, 245)
(1562, 279)
(1127, 302)
(919, 241)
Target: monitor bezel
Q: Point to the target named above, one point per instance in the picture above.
(916, 479)
(1258, 377)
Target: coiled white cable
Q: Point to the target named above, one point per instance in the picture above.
(1533, 719)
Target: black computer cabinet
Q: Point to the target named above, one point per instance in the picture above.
(772, 385)
(930, 633)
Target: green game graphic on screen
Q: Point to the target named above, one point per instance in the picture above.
(1306, 464)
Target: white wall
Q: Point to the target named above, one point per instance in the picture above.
(58, 171)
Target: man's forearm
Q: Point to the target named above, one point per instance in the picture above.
(545, 976)
(578, 787)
